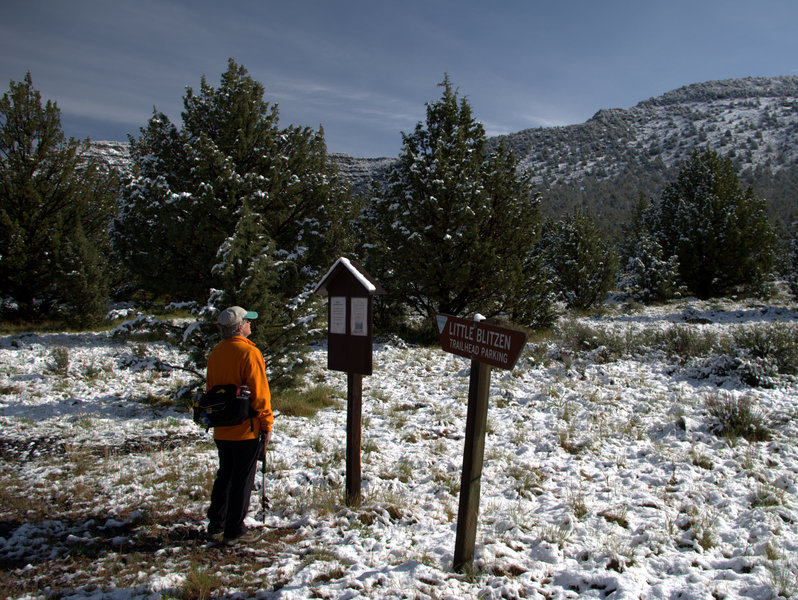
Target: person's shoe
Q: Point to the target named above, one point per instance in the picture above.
(215, 532)
(250, 536)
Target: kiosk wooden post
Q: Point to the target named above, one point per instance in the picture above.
(486, 345)
(354, 418)
(350, 312)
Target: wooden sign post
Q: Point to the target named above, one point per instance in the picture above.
(486, 345)
(350, 311)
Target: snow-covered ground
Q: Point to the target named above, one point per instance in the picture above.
(604, 474)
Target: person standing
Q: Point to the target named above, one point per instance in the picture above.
(236, 360)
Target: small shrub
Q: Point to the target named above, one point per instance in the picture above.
(618, 515)
(400, 417)
(704, 530)
(368, 445)
(757, 372)
(317, 444)
(96, 369)
(60, 356)
(772, 343)
(199, 584)
(528, 480)
(335, 572)
(404, 470)
(555, 534)
(767, 495)
(783, 578)
(447, 481)
(580, 336)
(621, 554)
(79, 458)
(683, 342)
(737, 416)
(701, 460)
(700, 526)
(15, 502)
(566, 438)
(772, 552)
(578, 504)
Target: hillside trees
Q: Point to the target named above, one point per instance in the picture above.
(234, 205)
(55, 209)
(719, 232)
(453, 228)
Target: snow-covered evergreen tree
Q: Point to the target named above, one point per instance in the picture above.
(719, 232)
(649, 275)
(581, 260)
(232, 202)
(452, 229)
(792, 275)
(55, 209)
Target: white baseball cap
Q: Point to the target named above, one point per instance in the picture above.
(234, 315)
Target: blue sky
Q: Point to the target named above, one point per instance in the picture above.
(364, 69)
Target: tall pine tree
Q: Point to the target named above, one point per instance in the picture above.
(55, 210)
(233, 203)
(452, 229)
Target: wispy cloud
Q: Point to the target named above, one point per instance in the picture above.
(365, 69)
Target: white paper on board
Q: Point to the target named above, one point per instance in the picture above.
(338, 314)
(360, 314)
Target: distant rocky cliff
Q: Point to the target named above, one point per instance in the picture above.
(359, 171)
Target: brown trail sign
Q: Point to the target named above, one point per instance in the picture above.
(484, 342)
(486, 345)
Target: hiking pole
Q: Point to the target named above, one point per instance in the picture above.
(263, 486)
(263, 499)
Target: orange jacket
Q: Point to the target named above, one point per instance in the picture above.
(236, 360)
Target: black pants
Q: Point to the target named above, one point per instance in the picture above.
(233, 486)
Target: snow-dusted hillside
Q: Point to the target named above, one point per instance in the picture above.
(606, 475)
(752, 120)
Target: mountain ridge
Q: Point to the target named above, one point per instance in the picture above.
(665, 126)
(606, 163)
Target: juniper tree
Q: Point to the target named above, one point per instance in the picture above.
(648, 274)
(232, 202)
(651, 276)
(582, 262)
(792, 258)
(452, 229)
(718, 231)
(55, 208)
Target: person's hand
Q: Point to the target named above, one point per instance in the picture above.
(266, 436)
